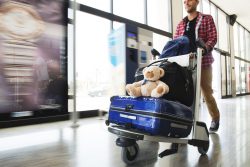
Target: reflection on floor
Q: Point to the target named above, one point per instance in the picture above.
(90, 145)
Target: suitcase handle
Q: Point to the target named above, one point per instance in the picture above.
(128, 107)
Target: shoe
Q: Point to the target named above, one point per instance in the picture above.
(214, 126)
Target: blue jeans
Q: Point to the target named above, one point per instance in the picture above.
(175, 47)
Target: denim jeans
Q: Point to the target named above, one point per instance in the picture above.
(175, 47)
(207, 92)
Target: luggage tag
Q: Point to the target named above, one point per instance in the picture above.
(128, 116)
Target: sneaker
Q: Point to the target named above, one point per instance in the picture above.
(214, 126)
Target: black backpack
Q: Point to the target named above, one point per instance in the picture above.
(178, 78)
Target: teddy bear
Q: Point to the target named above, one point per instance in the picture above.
(150, 85)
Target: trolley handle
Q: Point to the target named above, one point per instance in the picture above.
(155, 52)
(201, 44)
(156, 59)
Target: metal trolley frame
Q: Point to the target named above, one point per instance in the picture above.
(198, 137)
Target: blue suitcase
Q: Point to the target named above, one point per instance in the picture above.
(153, 116)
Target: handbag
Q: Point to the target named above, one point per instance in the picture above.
(178, 78)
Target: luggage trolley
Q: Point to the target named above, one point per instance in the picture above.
(198, 135)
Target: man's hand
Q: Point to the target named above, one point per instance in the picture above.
(204, 51)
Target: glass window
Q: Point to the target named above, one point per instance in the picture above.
(248, 77)
(223, 31)
(223, 76)
(228, 64)
(214, 15)
(242, 43)
(130, 9)
(98, 4)
(243, 76)
(70, 13)
(247, 45)
(205, 6)
(159, 41)
(217, 67)
(236, 39)
(159, 14)
(92, 62)
(117, 25)
(237, 75)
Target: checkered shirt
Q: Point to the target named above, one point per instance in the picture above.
(207, 32)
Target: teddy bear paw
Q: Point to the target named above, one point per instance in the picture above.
(132, 91)
(129, 89)
(155, 93)
(159, 91)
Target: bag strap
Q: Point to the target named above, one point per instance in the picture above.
(162, 61)
(184, 72)
(197, 27)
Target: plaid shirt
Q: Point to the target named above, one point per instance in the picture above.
(207, 32)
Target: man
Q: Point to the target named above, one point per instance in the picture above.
(207, 32)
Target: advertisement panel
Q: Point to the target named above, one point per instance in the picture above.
(33, 58)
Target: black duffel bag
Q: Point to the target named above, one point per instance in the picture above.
(178, 78)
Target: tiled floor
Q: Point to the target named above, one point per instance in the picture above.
(90, 145)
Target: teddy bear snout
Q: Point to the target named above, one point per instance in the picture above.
(150, 74)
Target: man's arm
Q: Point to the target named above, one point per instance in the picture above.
(211, 34)
(177, 32)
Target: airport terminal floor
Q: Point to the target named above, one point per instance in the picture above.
(91, 145)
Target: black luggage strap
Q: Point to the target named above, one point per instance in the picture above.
(162, 61)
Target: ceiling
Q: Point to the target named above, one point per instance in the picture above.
(240, 7)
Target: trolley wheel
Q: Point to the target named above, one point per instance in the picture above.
(130, 153)
(203, 150)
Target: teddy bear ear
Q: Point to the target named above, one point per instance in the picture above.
(162, 72)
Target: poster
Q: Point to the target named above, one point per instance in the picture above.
(33, 56)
